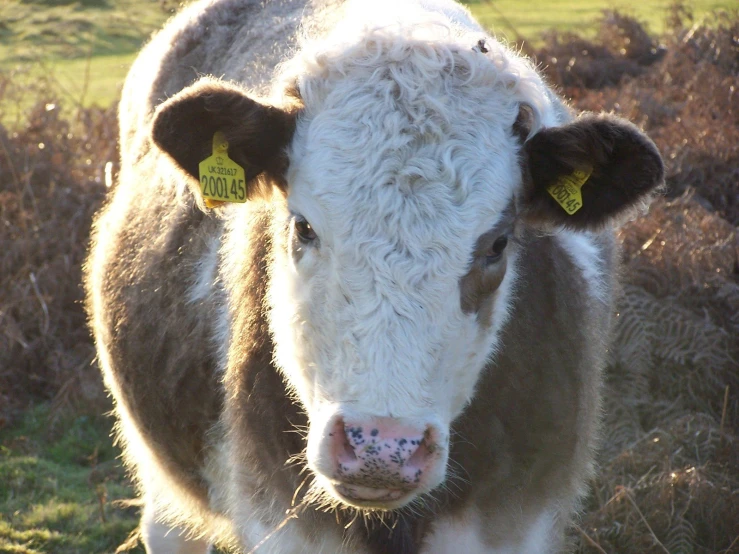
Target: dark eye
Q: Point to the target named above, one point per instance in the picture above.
(496, 250)
(304, 231)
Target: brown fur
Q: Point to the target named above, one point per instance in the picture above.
(541, 394)
(159, 347)
(481, 281)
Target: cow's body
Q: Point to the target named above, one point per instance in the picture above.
(186, 313)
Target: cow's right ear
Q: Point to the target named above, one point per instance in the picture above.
(585, 173)
(257, 134)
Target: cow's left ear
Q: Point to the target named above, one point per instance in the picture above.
(256, 135)
(587, 172)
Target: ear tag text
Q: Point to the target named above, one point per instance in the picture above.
(566, 190)
(221, 178)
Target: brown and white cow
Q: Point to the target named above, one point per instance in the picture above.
(395, 345)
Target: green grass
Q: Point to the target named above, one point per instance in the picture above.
(515, 19)
(38, 28)
(83, 48)
(91, 81)
(60, 486)
(86, 46)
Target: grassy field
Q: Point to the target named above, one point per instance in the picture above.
(86, 46)
(83, 47)
(60, 487)
(523, 20)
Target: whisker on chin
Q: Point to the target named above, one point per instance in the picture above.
(354, 518)
(455, 479)
(292, 513)
(297, 490)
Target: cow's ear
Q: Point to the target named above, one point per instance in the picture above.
(256, 134)
(587, 172)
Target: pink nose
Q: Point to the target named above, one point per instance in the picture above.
(381, 458)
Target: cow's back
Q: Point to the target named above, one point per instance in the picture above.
(235, 40)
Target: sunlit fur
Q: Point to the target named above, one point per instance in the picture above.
(403, 156)
(405, 153)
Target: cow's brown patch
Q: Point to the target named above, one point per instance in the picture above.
(477, 287)
(526, 438)
(159, 348)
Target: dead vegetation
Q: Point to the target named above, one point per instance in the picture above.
(669, 477)
(51, 182)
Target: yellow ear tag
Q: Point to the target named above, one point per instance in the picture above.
(221, 178)
(566, 190)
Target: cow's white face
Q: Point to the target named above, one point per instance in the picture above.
(396, 278)
(390, 287)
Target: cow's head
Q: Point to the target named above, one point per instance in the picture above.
(406, 172)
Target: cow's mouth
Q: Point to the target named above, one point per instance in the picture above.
(369, 497)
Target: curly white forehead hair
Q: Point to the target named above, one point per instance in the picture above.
(427, 46)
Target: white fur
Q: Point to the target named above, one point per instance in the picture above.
(282, 536)
(160, 538)
(466, 534)
(263, 529)
(205, 274)
(588, 257)
(403, 156)
(541, 537)
(462, 535)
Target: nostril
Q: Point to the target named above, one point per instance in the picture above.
(421, 455)
(347, 453)
(342, 449)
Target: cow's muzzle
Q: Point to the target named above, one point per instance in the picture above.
(380, 462)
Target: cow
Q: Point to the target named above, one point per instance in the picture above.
(352, 289)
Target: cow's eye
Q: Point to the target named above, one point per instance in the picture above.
(304, 230)
(495, 252)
